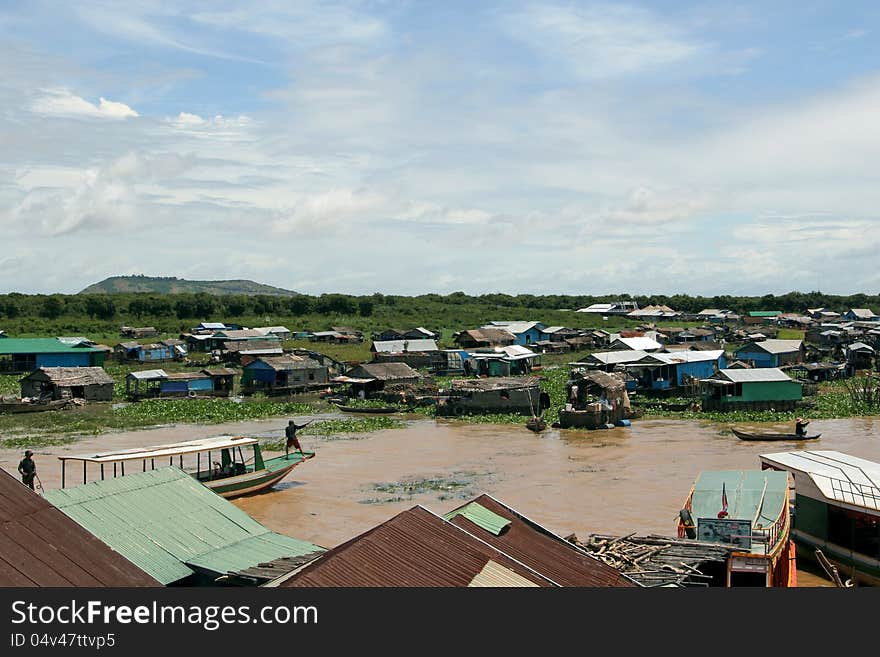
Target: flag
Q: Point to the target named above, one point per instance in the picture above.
(723, 512)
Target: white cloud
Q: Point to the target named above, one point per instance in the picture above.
(62, 102)
(602, 41)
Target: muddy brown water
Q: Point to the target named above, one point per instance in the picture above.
(617, 481)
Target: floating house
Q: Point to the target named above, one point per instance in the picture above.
(762, 316)
(512, 360)
(280, 332)
(283, 374)
(635, 344)
(526, 333)
(837, 502)
(772, 353)
(41, 546)
(213, 382)
(149, 353)
(861, 315)
(521, 395)
(370, 379)
(668, 371)
(18, 355)
(174, 528)
(89, 383)
(613, 308)
(245, 351)
(484, 337)
(415, 353)
(860, 355)
(594, 400)
(219, 338)
(139, 332)
(446, 362)
(418, 333)
(759, 389)
(608, 361)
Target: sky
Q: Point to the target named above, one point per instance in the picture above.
(412, 147)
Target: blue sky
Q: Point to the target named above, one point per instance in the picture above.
(412, 147)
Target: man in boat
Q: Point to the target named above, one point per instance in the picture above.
(27, 469)
(800, 427)
(292, 440)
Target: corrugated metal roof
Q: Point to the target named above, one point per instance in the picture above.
(495, 575)
(414, 548)
(528, 542)
(685, 356)
(639, 344)
(41, 546)
(838, 476)
(162, 451)
(481, 516)
(773, 346)
(401, 346)
(617, 357)
(162, 519)
(754, 375)
(251, 551)
(72, 376)
(148, 375)
(42, 346)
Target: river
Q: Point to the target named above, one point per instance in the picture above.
(616, 481)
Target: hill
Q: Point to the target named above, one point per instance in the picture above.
(172, 285)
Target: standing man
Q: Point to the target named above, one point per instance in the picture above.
(27, 469)
(292, 440)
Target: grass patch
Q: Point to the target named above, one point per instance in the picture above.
(460, 485)
(32, 442)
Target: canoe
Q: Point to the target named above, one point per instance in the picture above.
(369, 409)
(742, 435)
(33, 407)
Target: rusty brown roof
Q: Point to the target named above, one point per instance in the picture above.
(41, 546)
(541, 550)
(414, 548)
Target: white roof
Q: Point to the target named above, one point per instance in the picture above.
(755, 374)
(838, 476)
(172, 449)
(267, 330)
(687, 356)
(860, 346)
(616, 357)
(775, 346)
(513, 327)
(400, 346)
(213, 325)
(642, 344)
(147, 375)
(597, 308)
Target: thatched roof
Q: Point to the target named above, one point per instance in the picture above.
(72, 376)
(603, 380)
(384, 371)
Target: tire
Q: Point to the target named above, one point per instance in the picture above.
(687, 522)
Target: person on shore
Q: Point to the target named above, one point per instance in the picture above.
(27, 469)
(800, 427)
(292, 440)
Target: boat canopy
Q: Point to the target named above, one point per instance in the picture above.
(840, 477)
(759, 496)
(159, 451)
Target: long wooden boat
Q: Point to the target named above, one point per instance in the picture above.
(369, 409)
(20, 406)
(742, 435)
(536, 424)
(838, 509)
(220, 463)
(747, 510)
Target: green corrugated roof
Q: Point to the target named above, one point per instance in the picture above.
(251, 551)
(163, 519)
(481, 516)
(743, 489)
(764, 313)
(40, 346)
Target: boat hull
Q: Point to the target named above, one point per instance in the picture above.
(253, 482)
(367, 409)
(850, 564)
(54, 405)
(742, 435)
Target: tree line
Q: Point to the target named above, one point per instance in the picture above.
(201, 306)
